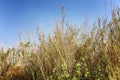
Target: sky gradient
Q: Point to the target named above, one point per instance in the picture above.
(18, 15)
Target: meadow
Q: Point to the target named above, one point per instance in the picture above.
(69, 53)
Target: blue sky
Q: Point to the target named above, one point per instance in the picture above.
(18, 15)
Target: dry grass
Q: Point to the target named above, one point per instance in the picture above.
(69, 53)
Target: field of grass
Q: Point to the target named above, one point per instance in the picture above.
(70, 53)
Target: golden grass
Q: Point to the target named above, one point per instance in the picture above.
(69, 53)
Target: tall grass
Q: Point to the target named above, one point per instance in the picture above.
(69, 53)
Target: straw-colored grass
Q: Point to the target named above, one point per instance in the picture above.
(70, 53)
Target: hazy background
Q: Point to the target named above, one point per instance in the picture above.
(18, 15)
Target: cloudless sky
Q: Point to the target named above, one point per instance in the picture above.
(18, 15)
